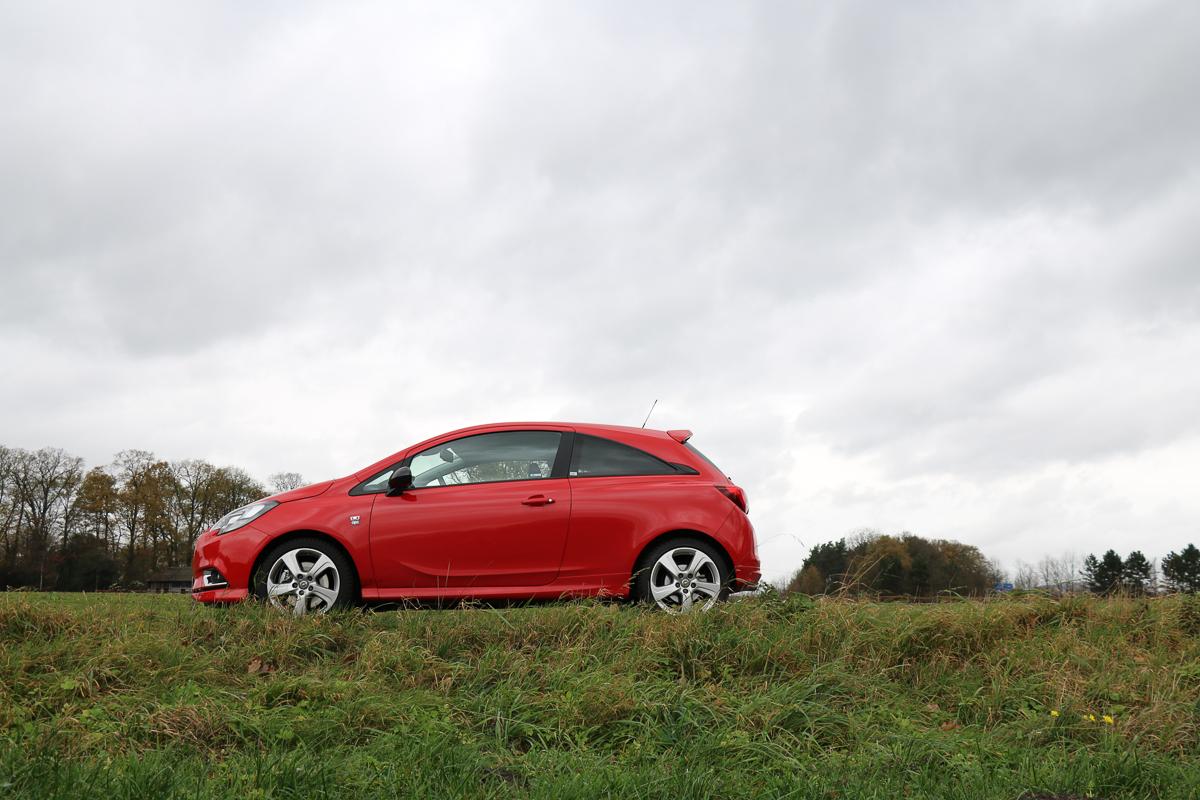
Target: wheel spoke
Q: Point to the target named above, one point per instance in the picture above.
(293, 565)
(661, 593)
(699, 562)
(687, 602)
(301, 607)
(668, 563)
(323, 564)
(710, 589)
(328, 595)
(280, 589)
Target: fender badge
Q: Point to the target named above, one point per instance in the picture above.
(354, 520)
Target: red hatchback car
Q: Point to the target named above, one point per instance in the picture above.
(504, 511)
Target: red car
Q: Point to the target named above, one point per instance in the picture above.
(504, 511)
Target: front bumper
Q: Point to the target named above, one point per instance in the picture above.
(220, 595)
(230, 554)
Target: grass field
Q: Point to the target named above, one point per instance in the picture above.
(140, 696)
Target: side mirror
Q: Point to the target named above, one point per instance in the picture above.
(400, 480)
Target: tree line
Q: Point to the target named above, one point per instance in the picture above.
(1136, 575)
(66, 527)
(1110, 574)
(908, 565)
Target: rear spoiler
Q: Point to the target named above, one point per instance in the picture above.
(680, 436)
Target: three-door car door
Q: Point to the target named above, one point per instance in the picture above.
(483, 511)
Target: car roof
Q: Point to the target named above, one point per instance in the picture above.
(578, 426)
(599, 429)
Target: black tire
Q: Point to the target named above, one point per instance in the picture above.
(344, 591)
(645, 571)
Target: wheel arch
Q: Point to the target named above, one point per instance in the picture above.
(679, 533)
(305, 534)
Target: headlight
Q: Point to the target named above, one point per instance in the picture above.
(244, 515)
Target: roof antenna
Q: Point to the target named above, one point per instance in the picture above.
(651, 411)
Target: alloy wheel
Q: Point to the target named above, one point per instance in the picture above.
(685, 579)
(303, 581)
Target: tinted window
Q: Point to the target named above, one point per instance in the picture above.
(702, 457)
(487, 458)
(595, 457)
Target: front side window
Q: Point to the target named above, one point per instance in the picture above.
(487, 458)
(596, 457)
(379, 483)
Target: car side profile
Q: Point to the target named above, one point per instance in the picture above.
(500, 511)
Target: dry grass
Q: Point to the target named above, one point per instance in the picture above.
(118, 694)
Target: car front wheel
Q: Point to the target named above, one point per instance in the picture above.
(305, 576)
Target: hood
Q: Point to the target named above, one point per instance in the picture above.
(303, 493)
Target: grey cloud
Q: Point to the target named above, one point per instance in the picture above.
(942, 239)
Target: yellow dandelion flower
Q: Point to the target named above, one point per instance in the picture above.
(1108, 720)
(1091, 717)
(1053, 713)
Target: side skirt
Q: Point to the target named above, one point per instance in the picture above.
(550, 591)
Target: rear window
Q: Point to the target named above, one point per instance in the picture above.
(696, 452)
(596, 457)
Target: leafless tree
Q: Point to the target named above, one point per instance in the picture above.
(1026, 576)
(1060, 574)
(1051, 573)
(43, 486)
(286, 481)
(195, 499)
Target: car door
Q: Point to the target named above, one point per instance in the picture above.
(484, 511)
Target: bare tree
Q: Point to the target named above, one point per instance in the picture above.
(1053, 574)
(196, 496)
(997, 574)
(46, 481)
(1026, 576)
(10, 512)
(1060, 574)
(286, 481)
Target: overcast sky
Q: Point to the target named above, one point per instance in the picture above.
(925, 266)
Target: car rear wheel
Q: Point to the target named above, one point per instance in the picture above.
(306, 576)
(682, 575)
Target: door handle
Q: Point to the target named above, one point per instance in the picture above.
(538, 500)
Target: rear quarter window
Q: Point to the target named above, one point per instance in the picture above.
(696, 452)
(596, 457)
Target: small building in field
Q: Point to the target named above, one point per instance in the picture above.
(170, 581)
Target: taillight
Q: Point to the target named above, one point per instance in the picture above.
(736, 495)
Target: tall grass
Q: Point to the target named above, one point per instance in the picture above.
(151, 696)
